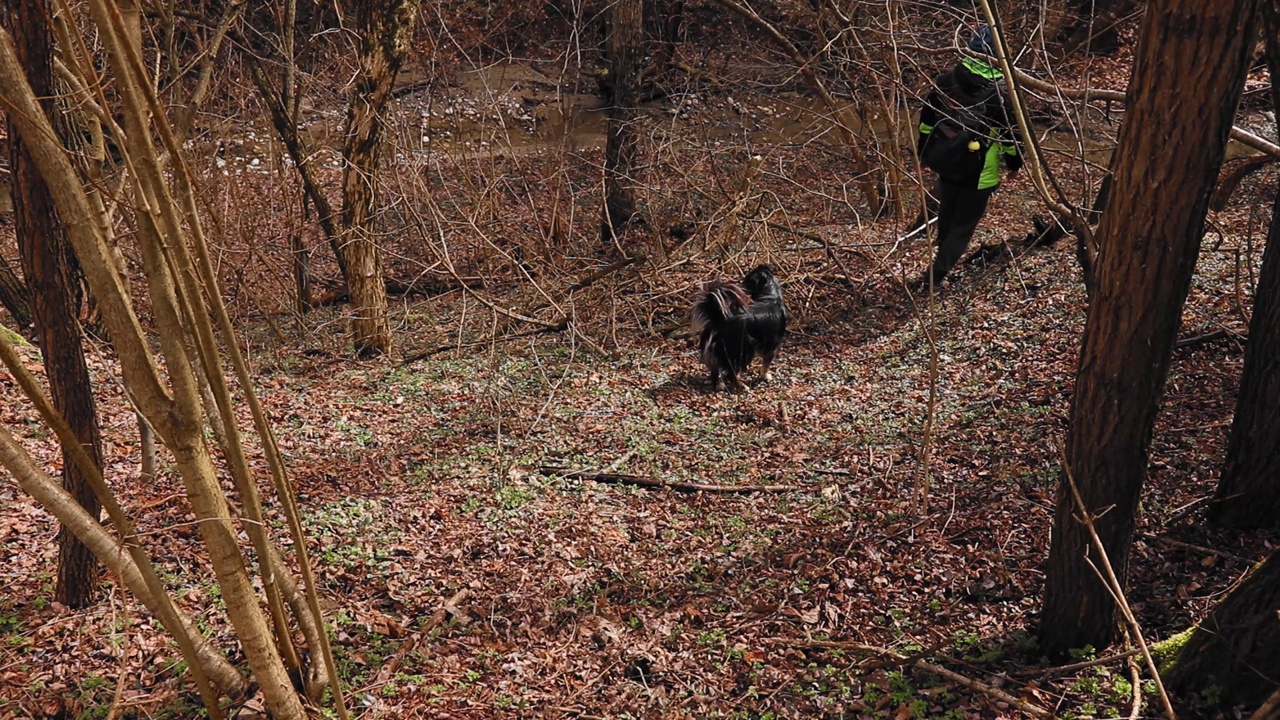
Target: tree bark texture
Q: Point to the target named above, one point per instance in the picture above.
(386, 34)
(47, 262)
(1248, 495)
(1236, 649)
(13, 295)
(1170, 148)
(622, 142)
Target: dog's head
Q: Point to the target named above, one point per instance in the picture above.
(760, 281)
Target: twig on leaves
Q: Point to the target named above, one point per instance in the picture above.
(616, 478)
(578, 713)
(1185, 510)
(1135, 680)
(1197, 548)
(1206, 338)
(700, 74)
(617, 464)
(424, 354)
(975, 685)
(118, 696)
(1114, 586)
(1063, 669)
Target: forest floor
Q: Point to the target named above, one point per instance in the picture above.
(449, 482)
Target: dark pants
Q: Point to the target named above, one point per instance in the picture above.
(959, 208)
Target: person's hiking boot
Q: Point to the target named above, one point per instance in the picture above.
(920, 285)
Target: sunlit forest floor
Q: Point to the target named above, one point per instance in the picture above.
(449, 475)
(462, 481)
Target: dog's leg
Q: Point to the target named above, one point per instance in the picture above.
(734, 383)
(767, 361)
(713, 376)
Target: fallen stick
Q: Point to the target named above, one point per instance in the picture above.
(605, 271)
(615, 478)
(1135, 682)
(915, 232)
(1082, 665)
(976, 685)
(424, 354)
(1207, 338)
(1198, 548)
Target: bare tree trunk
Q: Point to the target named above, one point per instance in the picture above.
(1150, 239)
(281, 106)
(13, 295)
(146, 434)
(301, 270)
(47, 260)
(118, 561)
(1248, 495)
(622, 143)
(147, 443)
(204, 75)
(289, 103)
(386, 33)
(1236, 649)
(177, 306)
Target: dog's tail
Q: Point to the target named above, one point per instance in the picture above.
(718, 300)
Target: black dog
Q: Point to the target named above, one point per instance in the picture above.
(737, 322)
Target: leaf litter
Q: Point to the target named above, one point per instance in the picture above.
(462, 582)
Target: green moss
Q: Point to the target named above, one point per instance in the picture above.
(1165, 652)
(13, 337)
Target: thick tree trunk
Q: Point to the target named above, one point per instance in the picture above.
(1170, 148)
(1248, 495)
(47, 260)
(622, 143)
(386, 33)
(1236, 649)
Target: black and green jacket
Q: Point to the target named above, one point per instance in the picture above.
(968, 84)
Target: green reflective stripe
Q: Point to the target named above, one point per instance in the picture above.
(1008, 149)
(990, 176)
(925, 129)
(981, 69)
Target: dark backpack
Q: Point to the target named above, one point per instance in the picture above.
(957, 146)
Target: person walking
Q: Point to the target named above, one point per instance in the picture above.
(965, 134)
